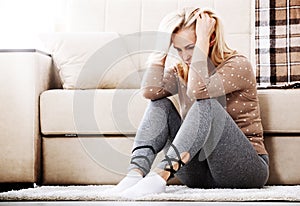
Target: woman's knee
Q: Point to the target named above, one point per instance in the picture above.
(164, 103)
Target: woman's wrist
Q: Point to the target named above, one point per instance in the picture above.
(157, 59)
(203, 45)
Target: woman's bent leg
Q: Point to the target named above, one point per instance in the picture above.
(158, 128)
(220, 154)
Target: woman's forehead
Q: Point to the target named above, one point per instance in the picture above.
(184, 36)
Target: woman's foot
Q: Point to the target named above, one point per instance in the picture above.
(131, 179)
(151, 184)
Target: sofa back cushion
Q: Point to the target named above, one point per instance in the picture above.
(92, 60)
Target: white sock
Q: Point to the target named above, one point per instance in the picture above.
(131, 179)
(151, 184)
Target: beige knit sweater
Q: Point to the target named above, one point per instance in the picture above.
(233, 79)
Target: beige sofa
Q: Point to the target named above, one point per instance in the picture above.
(56, 128)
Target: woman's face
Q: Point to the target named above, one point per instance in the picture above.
(184, 42)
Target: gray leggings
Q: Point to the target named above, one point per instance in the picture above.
(221, 156)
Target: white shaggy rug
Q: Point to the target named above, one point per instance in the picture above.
(173, 193)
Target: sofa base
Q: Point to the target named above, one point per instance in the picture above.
(284, 159)
(84, 160)
(95, 160)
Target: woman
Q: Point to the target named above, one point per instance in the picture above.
(217, 140)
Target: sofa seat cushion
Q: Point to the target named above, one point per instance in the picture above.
(119, 111)
(101, 111)
(280, 110)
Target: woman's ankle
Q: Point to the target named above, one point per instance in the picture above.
(139, 171)
(163, 173)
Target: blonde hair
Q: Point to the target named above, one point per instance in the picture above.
(186, 18)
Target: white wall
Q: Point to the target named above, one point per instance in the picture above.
(24, 17)
(128, 16)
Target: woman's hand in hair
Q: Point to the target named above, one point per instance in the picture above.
(205, 27)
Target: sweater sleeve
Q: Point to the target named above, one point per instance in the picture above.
(233, 75)
(159, 82)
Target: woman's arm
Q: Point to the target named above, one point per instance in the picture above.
(198, 77)
(235, 74)
(159, 82)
